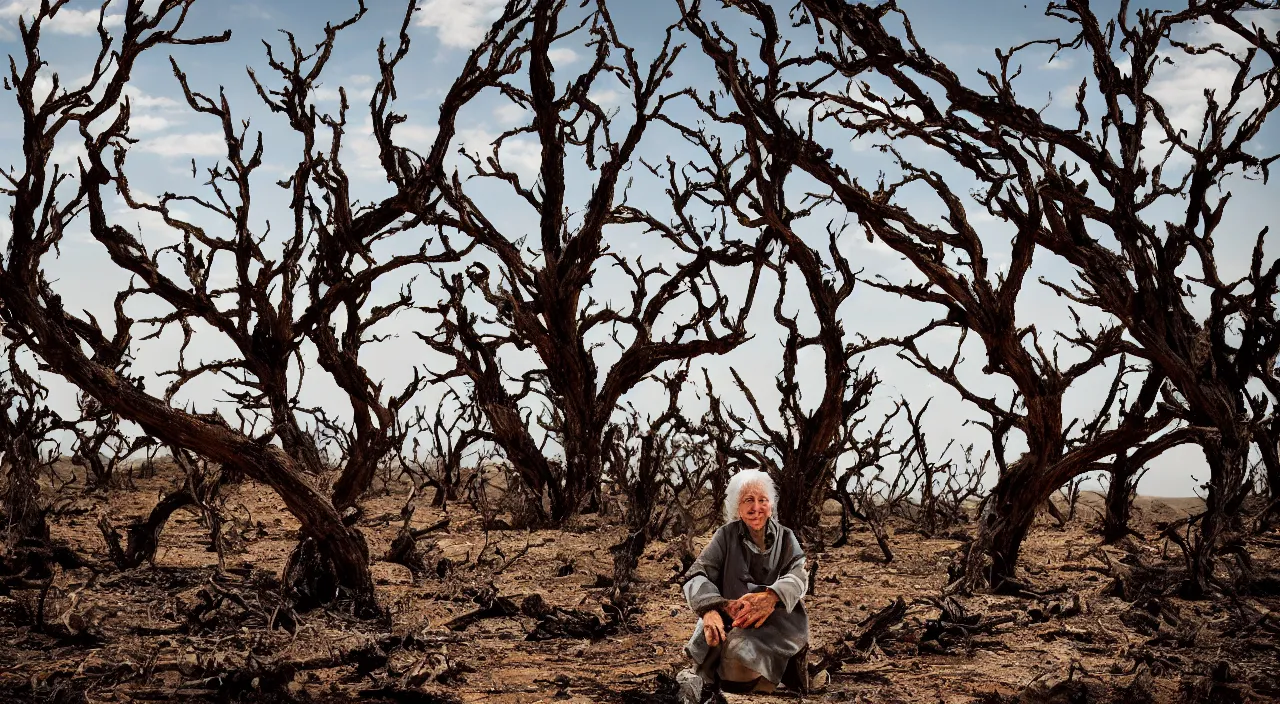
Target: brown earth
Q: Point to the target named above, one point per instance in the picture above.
(120, 636)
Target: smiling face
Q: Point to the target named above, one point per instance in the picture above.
(754, 507)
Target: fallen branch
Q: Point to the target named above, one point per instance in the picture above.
(491, 605)
(858, 644)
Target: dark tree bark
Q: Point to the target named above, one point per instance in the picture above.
(1267, 448)
(103, 447)
(1121, 490)
(802, 449)
(918, 459)
(1141, 282)
(1207, 361)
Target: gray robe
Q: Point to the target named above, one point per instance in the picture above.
(732, 565)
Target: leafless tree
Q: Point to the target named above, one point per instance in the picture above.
(1070, 494)
(103, 447)
(962, 487)
(1144, 281)
(1264, 405)
(644, 457)
(671, 475)
(932, 475)
(326, 266)
(1122, 488)
(452, 431)
(27, 448)
(201, 486)
(803, 446)
(951, 255)
(539, 298)
(868, 489)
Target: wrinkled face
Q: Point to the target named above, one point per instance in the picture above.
(753, 507)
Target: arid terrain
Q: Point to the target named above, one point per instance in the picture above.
(182, 630)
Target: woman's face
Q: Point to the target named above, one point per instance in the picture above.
(753, 507)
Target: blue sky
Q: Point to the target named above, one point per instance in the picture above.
(170, 136)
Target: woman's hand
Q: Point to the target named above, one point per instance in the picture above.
(752, 610)
(713, 628)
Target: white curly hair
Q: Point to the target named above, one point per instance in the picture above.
(743, 479)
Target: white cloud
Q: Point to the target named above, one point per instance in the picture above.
(562, 56)
(66, 21)
(354, 95)
(152, 113)
(520, 155)
(147, 221)
(604, 97)
(69, 154)
(509, 113)
(186, 144)
(524, 156)
(361, 145)
(142, 101)
(40, 89)
(459, 23)
(1059, 63)
(416, 137)
(142, 124)
(1180, 88)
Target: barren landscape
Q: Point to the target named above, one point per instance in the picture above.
(184, 630)
(411, 351)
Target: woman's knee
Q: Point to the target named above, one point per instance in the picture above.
(737, 646)
(736, 661)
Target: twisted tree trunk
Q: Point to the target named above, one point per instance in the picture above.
(1119, 501)
(806, 484)
(144, 536)
(1228, 470)
(24, 514)
(1006, 517)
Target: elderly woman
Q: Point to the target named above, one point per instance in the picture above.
(748, 587)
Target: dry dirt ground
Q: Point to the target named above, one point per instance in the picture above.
(180, 630)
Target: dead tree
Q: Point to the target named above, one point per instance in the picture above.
(950, 255)
(802, 448)
(1122, 489)
(538, 298)
(1070, 494)
(1038, 177)
(919, 462)
(326, 266)
(452, 431)
(1266, 408)
(27, 448)
(962, 487)
(649, 461)
(722, 426)
(103, 447)
(944, 487)
(862, 490)
(201, 486)
(1128, 466)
